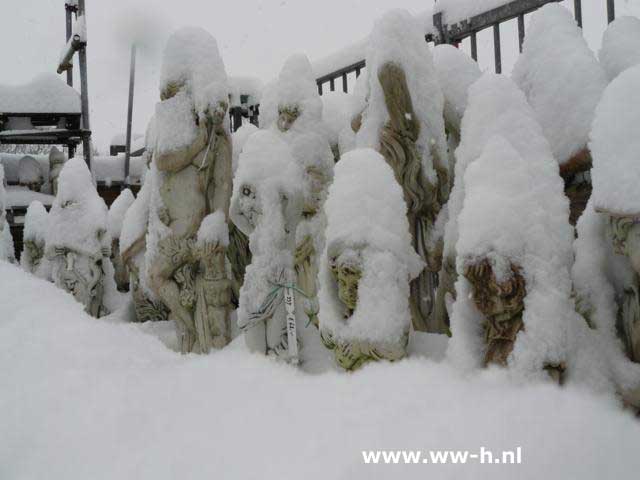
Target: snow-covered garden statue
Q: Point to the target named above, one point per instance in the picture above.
(267, 206)
(192, 179)
(117, 212)
(293, 110)
(513, 242)
(404, 122)
(78, 245)
(7, 253)
(367, 265)
(30, 173)
(132, 243)
(563, 82)
(34, 237)
(607, 269)
(56, 162)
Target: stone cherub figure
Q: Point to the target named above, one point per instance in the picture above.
(267, 206)
(193, 175)
(78, 245)
(404, 121)
(367, 265)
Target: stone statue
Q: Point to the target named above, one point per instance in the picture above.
(267, 207)
(30, 173)
(34, 236)
(56, 162)
(193, 174)
(78, 245)
(425, 196)
(368, 264)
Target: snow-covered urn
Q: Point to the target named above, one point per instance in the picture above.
(132, 245)
(7, 253)
(510, 226)
(607, 268)
(367, 264)
(563, 82)
(56, 162)
(620, 46)
(267, 206)
(192, 177)
(35, 232)
(115, 218)
(404, 122)
(30, 174)
(78, 243)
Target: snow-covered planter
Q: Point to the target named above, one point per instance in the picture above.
(191, 178)
(620, 46)
(6, 240)
(35, 232)
(563, 82)
(367, 264)
(267, 206)
(115, 218)
(78, 244)
(403, 120)
(512, 239)
(607, 268)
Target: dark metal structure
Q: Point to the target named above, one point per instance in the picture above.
(455, 33)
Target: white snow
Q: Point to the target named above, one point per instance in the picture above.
(29, 171)
(214, 229)
(78, 215)
(121, 138)
(239, 138)
(11, 163)
(397, 37)
(46, 93)
(21, 197)
(250, 86)
(367, 219)
(36, 223)
(134, 222)
(191, 57)
(336, 110)
(175, 126)
(561, 78)
(7, 252)
(456, 73)
(85, 398)
(620, 46)
(344, 57)
(456, 10)
(117, 212)
(615, 146)
(110, 168)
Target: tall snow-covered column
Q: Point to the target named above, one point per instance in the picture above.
(367, 264)
(191, 179)
(563, 83)
(404, 122)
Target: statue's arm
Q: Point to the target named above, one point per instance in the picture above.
(176, 160)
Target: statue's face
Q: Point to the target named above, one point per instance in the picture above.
(347, 276)
(287, 115)
(35, 250)
(494, 298)
(249, 205)
(625, 236)
(170, 90)
(78, 274)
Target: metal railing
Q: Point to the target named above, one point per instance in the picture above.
(456, 32)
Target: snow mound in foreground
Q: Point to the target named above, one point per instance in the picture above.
(84, 398)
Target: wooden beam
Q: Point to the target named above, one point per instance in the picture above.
(520, 31)
(496, 47)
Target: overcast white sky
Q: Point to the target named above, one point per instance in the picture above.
(255, 37)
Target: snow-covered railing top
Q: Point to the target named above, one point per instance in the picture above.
(45, 94)
(450, 21)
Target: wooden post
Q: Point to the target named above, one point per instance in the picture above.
(84, 94)
(577, 8)
(474, 46)
(496, 47)
(68, 13)
(320, 89)
(357, 72)
(521, 31)
(132, 81)
(332, 85)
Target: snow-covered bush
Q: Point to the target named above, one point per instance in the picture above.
(367, 264)
(620, 46)
(7, 252)
(513, 234)
(78, 242)
(36, 224)
(562, 80)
